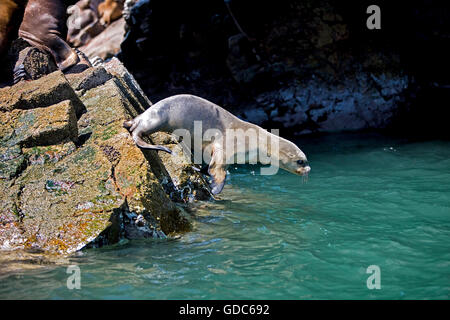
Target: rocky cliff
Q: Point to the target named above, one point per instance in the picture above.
(303, 66)
(70, 174)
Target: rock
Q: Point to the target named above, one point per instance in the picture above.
(136, 95)
(241, 60)
(40, 126)
(90, 78)
(127, 6)
(68, 183)
(298, 55)
(46, 91)
(106, 44)
(12, 162)
(256, 115)
(34, 62)
(176, 173)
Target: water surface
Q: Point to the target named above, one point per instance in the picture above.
(369, 200)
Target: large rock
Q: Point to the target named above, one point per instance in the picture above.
(44, 92)
(40, 126)
(303, 66)
(68, 182)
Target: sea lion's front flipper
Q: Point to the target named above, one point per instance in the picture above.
(144, 145)
(217, 171)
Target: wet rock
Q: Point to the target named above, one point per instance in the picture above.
(137, 227)
(179, 177)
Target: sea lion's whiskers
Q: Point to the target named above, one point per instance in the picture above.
(305, 178)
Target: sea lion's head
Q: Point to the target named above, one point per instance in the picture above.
(292, 159)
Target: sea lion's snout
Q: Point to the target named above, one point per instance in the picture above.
(303, 170)
(303, 167)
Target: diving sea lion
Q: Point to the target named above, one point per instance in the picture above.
(43, 27)
(110, 10)
(184, 111)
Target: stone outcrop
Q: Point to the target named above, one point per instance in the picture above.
(303, 66)
(70, 174)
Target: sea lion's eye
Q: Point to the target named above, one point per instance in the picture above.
(301, 162)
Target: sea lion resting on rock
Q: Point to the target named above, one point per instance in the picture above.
(186, 112)
(110, 10)
(43, 27)
(83, 23)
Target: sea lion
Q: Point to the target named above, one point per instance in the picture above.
(109, 11)
(10, 12)
(83, 23)
(43, 27)
(186, 111)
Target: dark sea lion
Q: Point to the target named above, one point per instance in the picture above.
(109, 11)
(185, 112)
(43, 26)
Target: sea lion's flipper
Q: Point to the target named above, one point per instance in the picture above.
(215, 185)
(20, 73)
(217, 171)
(43, 27)
(144, 145)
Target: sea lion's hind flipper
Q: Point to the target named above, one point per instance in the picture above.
(144, 145)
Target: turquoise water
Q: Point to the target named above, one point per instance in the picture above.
(369, 200)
